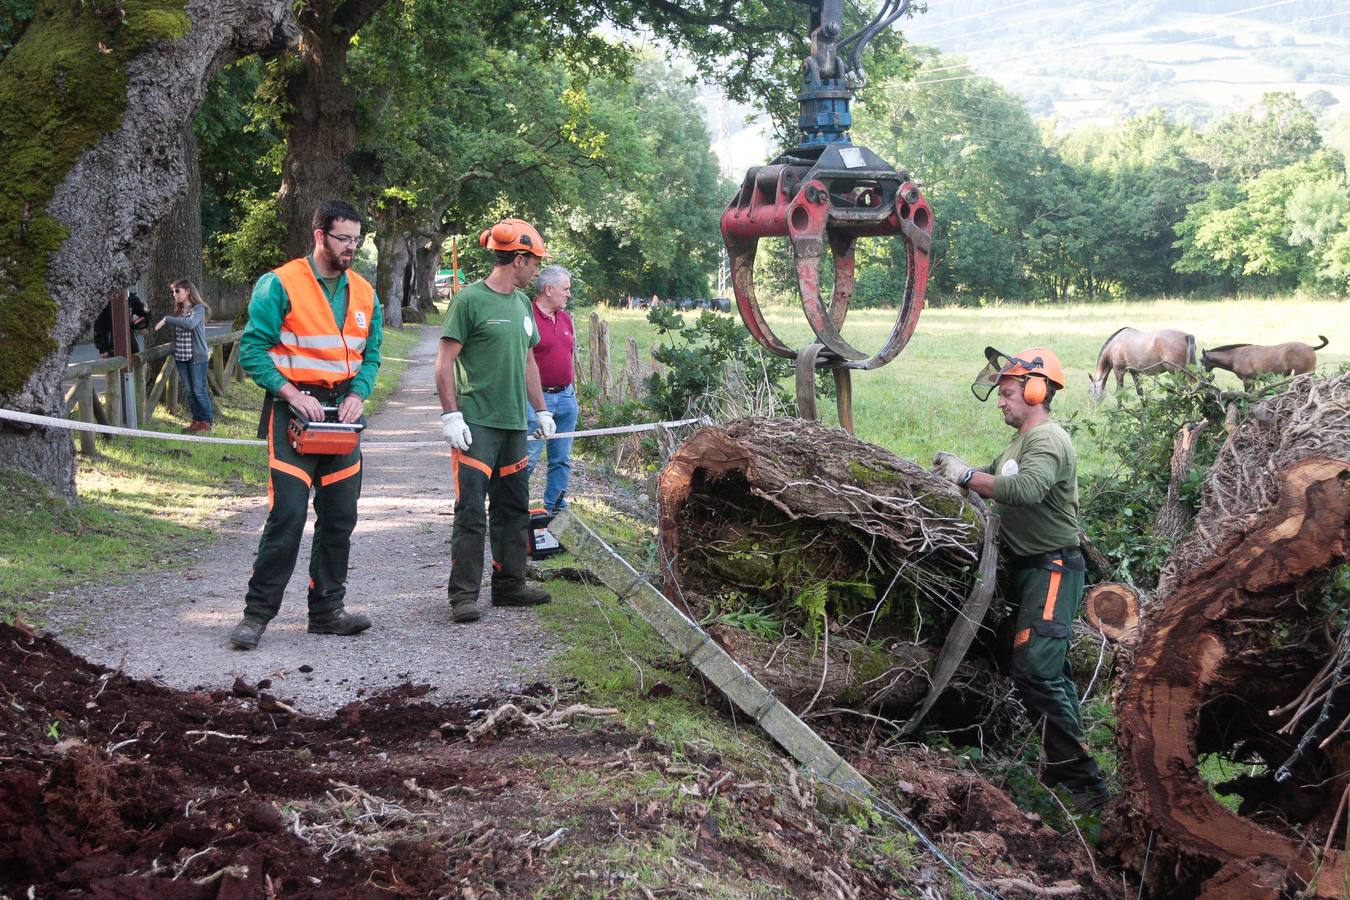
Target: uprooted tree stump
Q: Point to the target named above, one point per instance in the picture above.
(1242, 660)
(867, 554)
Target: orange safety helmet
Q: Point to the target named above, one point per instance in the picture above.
(513, 234)
(1034, 368)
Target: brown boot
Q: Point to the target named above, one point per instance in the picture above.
(529, 595)
(464, 611)
(340, 622)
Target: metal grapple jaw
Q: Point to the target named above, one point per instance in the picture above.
(835, 193)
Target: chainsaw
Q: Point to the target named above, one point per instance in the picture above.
(828, 190)
(326, 437)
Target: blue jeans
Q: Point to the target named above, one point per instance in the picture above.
(563, 405)
(193, 377)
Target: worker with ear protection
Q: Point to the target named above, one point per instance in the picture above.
(1034, 486)
(485, 375)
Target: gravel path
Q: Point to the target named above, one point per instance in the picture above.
(172, 625)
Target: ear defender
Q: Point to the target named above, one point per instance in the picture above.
(504, 232)
(1033, 390)
(483, 238)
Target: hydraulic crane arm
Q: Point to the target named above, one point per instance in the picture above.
(826, 189)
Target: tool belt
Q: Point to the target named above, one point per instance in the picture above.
(1072, 559)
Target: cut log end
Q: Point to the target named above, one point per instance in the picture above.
(1113, 609)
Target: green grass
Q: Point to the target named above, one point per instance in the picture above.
(141, 503)
(921, 402)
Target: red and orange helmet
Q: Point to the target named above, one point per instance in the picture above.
(1036, 362)
(513, 234)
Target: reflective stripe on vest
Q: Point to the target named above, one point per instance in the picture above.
(310, 349)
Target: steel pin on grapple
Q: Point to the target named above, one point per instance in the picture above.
(829, 189)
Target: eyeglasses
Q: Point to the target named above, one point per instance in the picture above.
(347, 240)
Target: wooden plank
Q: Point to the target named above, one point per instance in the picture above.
(705, 655)
(95, 367)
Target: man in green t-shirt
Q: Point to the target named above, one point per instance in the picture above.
(485, 374)
(1034, 486)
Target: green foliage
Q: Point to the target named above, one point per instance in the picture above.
(695, 357)
(1137, 434)
(62, 88)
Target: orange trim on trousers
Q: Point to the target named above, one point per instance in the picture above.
(1052, 594)
(340, 474)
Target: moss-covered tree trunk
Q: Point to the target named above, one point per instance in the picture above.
(322, 118)
(93, 99)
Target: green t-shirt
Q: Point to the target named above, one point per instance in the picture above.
(1036, 491)
(497, 330)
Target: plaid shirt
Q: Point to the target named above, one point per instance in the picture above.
(182, 344)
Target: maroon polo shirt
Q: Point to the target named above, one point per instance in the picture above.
(553, 353)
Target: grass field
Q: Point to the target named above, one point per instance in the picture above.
(921, 402)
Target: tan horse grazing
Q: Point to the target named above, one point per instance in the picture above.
(1247, 361)
(1134, 351)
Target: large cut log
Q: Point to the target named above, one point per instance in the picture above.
(813, 519)
(1229, 651)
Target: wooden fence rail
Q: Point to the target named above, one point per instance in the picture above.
(154, 380)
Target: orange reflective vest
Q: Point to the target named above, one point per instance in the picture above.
(311, 349)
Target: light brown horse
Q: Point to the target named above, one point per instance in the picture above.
(1134, 351)
(1247, 361)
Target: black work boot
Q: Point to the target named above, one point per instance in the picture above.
(1089, 798)
(464, 611)
(246, 634)
(526, 596)
(339, 623)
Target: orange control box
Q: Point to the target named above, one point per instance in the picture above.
(326, 438)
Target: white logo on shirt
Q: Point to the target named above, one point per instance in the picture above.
(528, 322)
(1010, 467)
(360, 319)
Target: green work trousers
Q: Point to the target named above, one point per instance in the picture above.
(336, 483)
(493, 470)
(1048, 591)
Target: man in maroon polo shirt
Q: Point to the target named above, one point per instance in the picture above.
(553, 355)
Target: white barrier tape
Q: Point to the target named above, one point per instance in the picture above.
(75, 425)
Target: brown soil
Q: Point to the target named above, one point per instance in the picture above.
(113, 787)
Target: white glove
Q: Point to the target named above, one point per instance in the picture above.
(456, 430)
(547, 427)
(951, 467)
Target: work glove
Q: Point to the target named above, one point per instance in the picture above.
(951, 467)
(456, 430)
(547, 427)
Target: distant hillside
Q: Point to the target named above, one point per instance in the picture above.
(1099, 60)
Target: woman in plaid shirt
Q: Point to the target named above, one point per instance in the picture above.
(190, 352)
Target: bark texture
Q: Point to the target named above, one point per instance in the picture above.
(322, 126)
(1239, 659)
(117, 192)
(177, 246)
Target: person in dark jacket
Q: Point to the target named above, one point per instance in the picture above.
(138, 318)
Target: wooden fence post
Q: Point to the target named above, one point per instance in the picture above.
(113, 381)
(84, 390)
(602, 363)
(633, 369)
(593, 344)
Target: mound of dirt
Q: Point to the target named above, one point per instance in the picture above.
(114, 787)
